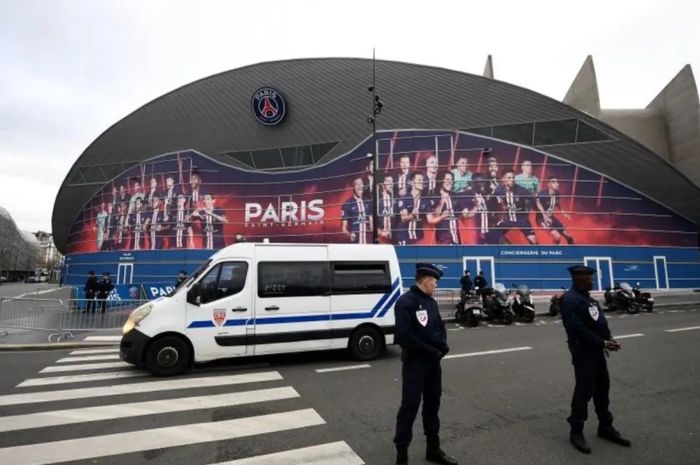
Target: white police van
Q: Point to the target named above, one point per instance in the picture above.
(258, 298)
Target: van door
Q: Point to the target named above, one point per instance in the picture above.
(220, 310)
(292, 302)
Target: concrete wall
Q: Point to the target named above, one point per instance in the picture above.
(679, 104)
(647, 126)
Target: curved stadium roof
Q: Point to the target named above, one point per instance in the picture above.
(328, 101)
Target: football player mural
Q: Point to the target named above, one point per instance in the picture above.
(433, 188)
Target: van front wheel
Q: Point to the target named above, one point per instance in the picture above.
(168, 356)
(366, 343)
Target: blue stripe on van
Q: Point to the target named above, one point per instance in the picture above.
(392, 301)
(202, 324)
(379, 310)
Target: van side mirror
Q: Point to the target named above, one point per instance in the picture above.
(194, 295)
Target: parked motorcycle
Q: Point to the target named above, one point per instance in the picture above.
(555, 303)
(622, 298)
(497, 304)
(644, 299)
(469, 311)
(522, 304)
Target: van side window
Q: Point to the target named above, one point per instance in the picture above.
(224, 280)
(360, 278)
(292, 279)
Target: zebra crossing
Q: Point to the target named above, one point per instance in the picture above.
(44, 419)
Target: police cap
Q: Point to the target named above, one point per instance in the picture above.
(580, 269)
(427, 269)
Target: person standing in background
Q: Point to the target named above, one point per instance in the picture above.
(91, 288)
(105, 288)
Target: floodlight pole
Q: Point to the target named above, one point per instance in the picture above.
(376, 109)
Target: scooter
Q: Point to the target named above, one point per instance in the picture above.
(497, 304)
(522, 304)
(555, 303)
(622, 298)
(469, 311)
(644, 299)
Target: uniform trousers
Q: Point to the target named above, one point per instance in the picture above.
(592, 380)
(422, 378)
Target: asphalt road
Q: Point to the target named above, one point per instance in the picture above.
(39, 290)
(498, 408)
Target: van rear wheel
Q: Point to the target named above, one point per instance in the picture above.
(366, 343)
(168, 356)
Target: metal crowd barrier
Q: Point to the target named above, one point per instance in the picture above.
(447, 300)
(62, 318)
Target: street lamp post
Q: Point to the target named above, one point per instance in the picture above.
(376, 109)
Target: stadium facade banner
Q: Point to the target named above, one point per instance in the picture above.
(435, 188)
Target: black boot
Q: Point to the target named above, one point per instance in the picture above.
(401, 455)
(609, 433)
(579, 442)
(437, 455)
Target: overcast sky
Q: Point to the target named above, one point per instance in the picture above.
(70, 69)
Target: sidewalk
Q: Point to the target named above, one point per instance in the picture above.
(13, 340)
(666, 298)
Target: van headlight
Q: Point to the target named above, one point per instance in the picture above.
(136, 317)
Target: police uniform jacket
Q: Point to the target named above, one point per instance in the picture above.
(92, 286)
(420, 330)
(585, 323)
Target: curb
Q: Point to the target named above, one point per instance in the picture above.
(54, 346)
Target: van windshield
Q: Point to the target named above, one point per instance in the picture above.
(194, 276)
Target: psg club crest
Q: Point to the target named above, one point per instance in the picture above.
(268, 106)
(219, 316)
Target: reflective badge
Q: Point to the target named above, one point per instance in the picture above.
(593, 310)
(219, 316)
(422, 316)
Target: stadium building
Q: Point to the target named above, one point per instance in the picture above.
(472, 172)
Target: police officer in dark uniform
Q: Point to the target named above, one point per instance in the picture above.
(466, 282)
(589, 342)
(105, 288)
(92, 287)
(421, 333)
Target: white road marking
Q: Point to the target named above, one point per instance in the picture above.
(94, 351)
(135, 409)
(81, 378)
(136, 388)
(103, 339)
(72, 450)
(488, 352)
(87, 358)
(625, 336)
(349, 367)
(86, 366)
(334, 453)
(455, 329)
(675, 311)
(45, 291)
(689, 328)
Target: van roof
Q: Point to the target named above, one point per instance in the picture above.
(245, 249)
